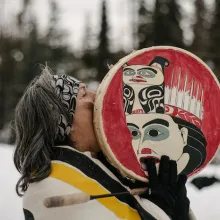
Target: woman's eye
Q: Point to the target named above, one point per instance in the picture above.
(154, 133)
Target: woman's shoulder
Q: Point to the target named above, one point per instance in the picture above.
(68, 162)
(47, 187)
(74, 172)
(33, 203)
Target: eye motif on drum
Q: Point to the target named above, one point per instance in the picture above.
(142, 87)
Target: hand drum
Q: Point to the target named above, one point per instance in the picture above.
(158, 101)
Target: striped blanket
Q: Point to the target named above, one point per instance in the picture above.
(74, 172)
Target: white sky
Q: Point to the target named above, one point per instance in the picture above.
(73, 18)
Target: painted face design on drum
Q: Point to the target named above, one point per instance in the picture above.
(157, 135)
(152, 74)
(141, 74)
(143, 86)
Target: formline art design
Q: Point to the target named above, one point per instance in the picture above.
(162, 101)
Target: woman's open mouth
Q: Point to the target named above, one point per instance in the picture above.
(142, 162)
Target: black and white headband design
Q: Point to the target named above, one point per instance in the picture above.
(66, 89)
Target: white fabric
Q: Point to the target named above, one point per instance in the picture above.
(152, 209)
(92, 210)
(37, 192)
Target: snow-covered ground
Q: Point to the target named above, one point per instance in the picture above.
(10, 203)
(205, 203)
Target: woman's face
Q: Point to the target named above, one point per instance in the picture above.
(82, 134)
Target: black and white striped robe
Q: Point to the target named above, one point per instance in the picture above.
(74, 172)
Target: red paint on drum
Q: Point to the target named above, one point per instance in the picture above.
(114, 121)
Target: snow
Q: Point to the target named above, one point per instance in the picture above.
(10, 203)
(204, 203)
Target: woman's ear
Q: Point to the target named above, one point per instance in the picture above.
(184, 132)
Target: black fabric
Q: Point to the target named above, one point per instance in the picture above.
(92, 170)
(66, 88)
(204, 181)
(28, 215)
(132, 184)
(143, 214)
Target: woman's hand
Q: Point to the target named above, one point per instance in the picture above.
(166, 190)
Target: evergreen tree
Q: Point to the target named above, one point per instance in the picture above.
(31, 50)
(20, 16)
(21, 55)
(215, 39)
(8, 56)
(29, 46)
(88, 70)
(54, 44)
(87, 36)
(54, 34)
(133, 14)
(103, 53)
(144, 26)
(88, 51)
(167, 30)
(201, 31)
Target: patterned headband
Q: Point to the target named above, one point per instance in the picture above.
(66, 88)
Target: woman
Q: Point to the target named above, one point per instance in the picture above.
(57, 153)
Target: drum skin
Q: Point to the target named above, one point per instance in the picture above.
(158, 101)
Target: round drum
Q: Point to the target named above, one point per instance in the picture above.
(158, 101)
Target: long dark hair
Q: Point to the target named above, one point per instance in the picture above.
(36, 121)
